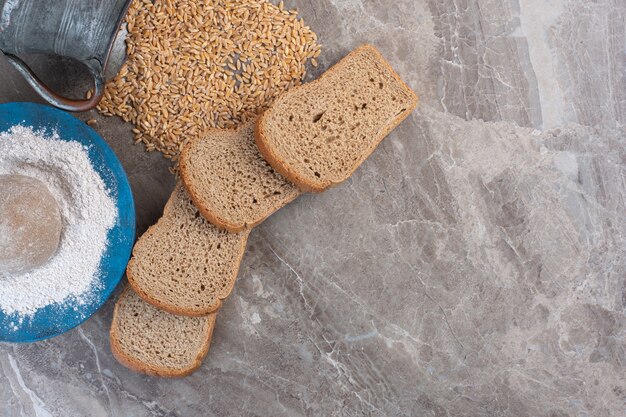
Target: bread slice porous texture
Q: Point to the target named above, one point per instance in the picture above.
(184, 264)
(229, 181)
(316, 135)
(152, 341)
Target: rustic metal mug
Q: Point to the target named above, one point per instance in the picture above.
(84, 30)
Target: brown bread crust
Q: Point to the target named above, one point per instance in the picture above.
(191, 311)
(200, 201)
(265, 144)
(141, 367)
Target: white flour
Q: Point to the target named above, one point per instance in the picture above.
(87, 212)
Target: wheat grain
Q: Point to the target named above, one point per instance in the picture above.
(198, 64)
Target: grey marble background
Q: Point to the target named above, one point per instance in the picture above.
(474, 266)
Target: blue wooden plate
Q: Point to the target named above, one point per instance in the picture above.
(55, 319)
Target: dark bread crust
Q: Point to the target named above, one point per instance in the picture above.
(192, 311)
(283, 167)
(274, 160)
(138, 366)
(201, 203)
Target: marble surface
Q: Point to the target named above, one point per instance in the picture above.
(474, 266)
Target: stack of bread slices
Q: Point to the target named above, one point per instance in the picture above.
(183, 268)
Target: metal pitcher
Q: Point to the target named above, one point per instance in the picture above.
(84, 30)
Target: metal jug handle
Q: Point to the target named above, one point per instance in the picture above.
(53, 98)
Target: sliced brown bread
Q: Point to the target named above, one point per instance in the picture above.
(184, 264)
(318, 134)
(149, 340)
(230, 182)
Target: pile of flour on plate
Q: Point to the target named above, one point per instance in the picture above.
(87, 213)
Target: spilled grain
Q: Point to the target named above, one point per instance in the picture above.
(199, 64)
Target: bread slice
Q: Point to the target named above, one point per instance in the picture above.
(150, 340)
(230, 182)
(316, 135)
(184, 264)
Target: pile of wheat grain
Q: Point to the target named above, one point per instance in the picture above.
(198, 64)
